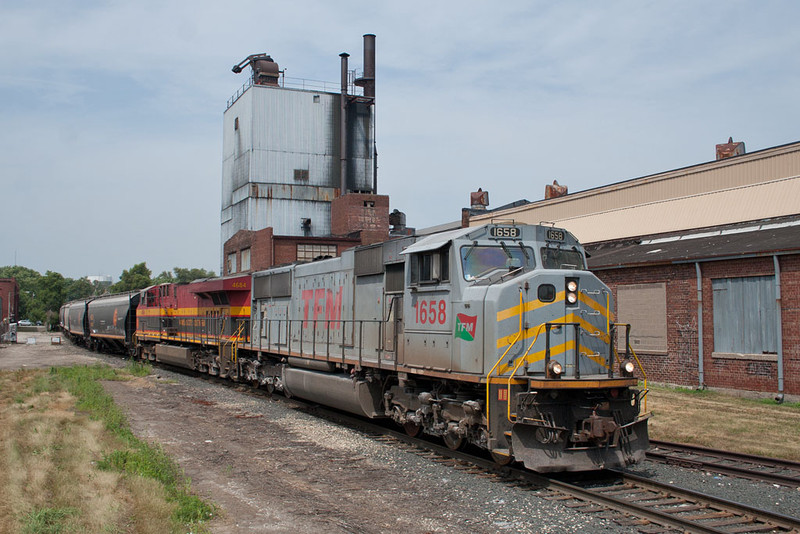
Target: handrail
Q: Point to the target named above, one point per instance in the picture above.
(516, 367)
(644, 375)
(489, 375)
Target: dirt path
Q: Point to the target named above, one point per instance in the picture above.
(271, 468)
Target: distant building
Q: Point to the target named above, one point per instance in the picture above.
(299, 167)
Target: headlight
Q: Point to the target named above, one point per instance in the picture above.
(628, 367)
(554, 369)
(572, 286)
(572, 298)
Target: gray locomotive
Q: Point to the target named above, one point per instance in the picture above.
(495, 335)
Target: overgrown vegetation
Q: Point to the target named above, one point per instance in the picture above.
(717, 420)
(70, 462)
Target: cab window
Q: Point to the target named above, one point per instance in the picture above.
(558, 258)
(430, 267)
(478, 261)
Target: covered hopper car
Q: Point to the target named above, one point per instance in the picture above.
(496, 336)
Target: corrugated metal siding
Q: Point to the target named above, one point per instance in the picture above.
(750, 203)
(745, 318)
(746, 170)
(280, 131)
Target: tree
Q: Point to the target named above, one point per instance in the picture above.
(78, 289)
(164, 278)
(184, 276)
(28, 282)
(137, 277)
(52, 292)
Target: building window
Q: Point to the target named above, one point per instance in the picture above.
(301, 175)
(308, 252)
(644, 307)
(245, 260)
(745, 316)
(231, 262)
(236, 123)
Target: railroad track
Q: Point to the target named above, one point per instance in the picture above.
(626, 499)
(623, 498)
(769, 470)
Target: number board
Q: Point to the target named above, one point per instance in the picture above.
(505, 232)
(555, 235)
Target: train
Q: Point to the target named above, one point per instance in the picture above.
(497, 336)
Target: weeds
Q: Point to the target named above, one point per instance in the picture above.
(137, 458)
(48, 520)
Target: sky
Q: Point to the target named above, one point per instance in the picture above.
(111, 111)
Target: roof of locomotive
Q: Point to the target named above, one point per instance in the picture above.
(435, 241)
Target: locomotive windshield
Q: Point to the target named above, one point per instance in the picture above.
(559, 258)
(481, 260)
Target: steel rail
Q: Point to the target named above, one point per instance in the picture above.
(665, 517)
(664, 452)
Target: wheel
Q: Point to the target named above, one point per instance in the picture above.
(453, 441)
(412, 429)
(501, 459)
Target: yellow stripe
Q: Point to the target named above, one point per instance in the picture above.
(536, 304)
(528, 306)
(597, 306)
(190, 312)
(555, 351)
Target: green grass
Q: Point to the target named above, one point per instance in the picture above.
(138, 458)
(48, 521)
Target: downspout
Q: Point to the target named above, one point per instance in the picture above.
(779, 327)
(700, 371)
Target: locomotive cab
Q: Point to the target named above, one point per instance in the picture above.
(525, 315)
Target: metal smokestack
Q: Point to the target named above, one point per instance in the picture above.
(369, 65)
(343, 128)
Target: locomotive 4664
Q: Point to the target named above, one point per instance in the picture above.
(495, 335)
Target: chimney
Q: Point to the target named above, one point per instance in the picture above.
(555, 190)
(730, 149)
(479, 199)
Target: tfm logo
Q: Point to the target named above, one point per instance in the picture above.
(322, 304)
(465, 326)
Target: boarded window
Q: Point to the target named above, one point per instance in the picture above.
(745, 316)
(245, 259)
(644, 307)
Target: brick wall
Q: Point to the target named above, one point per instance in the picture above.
(359, 212)
(680, 364)
(9, 293)
(268, 249)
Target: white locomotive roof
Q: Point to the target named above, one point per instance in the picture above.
(435, 241)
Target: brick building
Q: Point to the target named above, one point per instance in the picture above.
(712, 308)
(9, 300)
(704, 263)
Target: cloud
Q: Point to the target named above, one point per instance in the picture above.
(111, 112)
